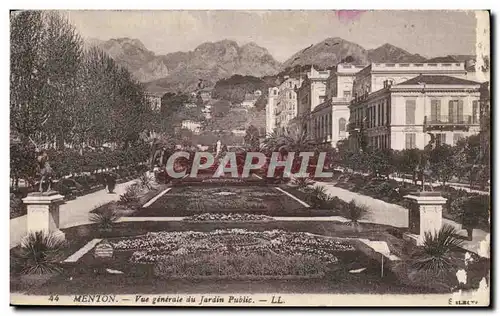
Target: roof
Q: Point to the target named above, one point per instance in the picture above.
(322, 106)
(437, 80)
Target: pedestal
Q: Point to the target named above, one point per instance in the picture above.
(43, 212)
(425, 215)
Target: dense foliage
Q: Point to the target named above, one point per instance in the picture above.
(64, 96)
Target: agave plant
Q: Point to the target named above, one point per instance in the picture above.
(40, 253)
(434, 254)
(302, 182)
(354, 213)
(105, 219)
(317, 196)
(131, 196)
(146, 181)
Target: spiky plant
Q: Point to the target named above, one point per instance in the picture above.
(434, 254)
(131, 196)
(316, 196)
(354, 213)
(146, 181)
(105, 219)
(302, 182)
(40, 253)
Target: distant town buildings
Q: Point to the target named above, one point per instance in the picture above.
(193, 126)
(154, 100)
(251, 99)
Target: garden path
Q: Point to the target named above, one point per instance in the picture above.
(72, 213)
(381, 212)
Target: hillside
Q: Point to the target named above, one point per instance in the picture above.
(212, 62)
(327, 54)
(390, 53)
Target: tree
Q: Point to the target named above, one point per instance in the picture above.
(252, 137)
(442, 163)
(409, 161)
(380, 161)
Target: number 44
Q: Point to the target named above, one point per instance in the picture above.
(54, 298)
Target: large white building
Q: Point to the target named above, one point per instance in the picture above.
(399, 105)
(327, 123)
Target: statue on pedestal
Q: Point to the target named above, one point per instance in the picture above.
(45, 171)
(427, 172)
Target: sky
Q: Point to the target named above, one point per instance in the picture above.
(283, 33)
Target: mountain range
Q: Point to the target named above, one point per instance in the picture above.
(212, 61)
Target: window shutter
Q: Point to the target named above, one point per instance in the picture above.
(474, 112)
(460, 112)
(435, 110)
(410, 111)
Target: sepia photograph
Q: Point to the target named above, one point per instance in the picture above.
(258, 158)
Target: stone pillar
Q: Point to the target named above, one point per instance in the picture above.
(43, 212)
(425, 214)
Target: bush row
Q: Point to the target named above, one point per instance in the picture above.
(469, 209)
(79, 185)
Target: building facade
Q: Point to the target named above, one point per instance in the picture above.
(282, 106)
(375, 76)
(270, 109)
(405, 115)
(312, 91)
(328, 121)
(286, 103)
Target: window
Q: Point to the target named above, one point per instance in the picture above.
(275, 92)
(440, 139)
(455, 111)
(410, 111)
(379, 114)
(435, 110)
(330, 123)
(456, 138)
(347, 94)
(342, 123)
(290, 94)
(382, 113)
(410, 139)
(475, 117)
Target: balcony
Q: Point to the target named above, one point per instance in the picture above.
(351, 126)
(446, 122)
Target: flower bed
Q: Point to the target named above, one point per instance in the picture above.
(232, 217)
(233, 252)
(193, 200)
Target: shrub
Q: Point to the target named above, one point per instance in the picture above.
(146, 181)
(354, 213)
(316, 196)
(104, 216)
(40, 253)
(16, 205)
(302, 183)
(131, 196)
(433, 256)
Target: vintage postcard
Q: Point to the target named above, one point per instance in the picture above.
(250, 158)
